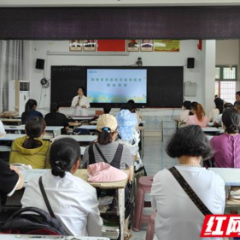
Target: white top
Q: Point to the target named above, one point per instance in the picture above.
(218, 119)
(83, 101)
(183, 116)
(2, 130)
(177, 216)
(73, 201)
(213, 114)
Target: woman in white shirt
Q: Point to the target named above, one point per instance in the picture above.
(183, 116)
(177, 216)
(217, 110)
(73, 200)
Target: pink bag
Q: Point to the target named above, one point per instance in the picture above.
(103, 172)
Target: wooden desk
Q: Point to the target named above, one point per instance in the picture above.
(81, 118)
(78, 138)
(89, 127)
(12, 137)
(50, 237)
(56, 130)
(75, 124)
(212, 130)
(11, 120)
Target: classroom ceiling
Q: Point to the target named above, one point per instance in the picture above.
(115, 3)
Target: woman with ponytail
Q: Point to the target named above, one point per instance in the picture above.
(227, 145)
(73, 201)
(198, 117)
(31, 149)
(116, 154)
(30, 111)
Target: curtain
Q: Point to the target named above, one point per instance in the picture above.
(11, 67)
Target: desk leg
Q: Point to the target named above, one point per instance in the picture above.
(121, 206)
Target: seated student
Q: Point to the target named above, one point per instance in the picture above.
(217, 110)
(218, 120)
(193, 106)
(185, 113)
(133, 109)
(73, 200)
(55, 118)
(177, 216)
(115, 153)
(128, 135)
(10, 180)
(237, 106)
(198, 118)
(2, 130)
(227, 145)
(107, 108)
(238, 96)
(31, 149)
(30, 111)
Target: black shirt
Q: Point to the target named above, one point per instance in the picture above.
(57, 119)
(28, 115)
(8, 179)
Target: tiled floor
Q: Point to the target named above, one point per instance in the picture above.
(153, 162)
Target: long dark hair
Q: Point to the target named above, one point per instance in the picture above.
(64, 154)
(54, 107)
(34, 128)
(189, 141)
(219, 104)
(231, 120)
(30, 104)
(104, 137)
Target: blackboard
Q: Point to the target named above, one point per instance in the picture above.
(164, 85)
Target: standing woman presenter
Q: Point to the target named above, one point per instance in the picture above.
(80, 100)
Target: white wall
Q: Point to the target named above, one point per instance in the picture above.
(57, 53)
(227, 52)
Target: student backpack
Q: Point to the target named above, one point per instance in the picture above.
(31, 220)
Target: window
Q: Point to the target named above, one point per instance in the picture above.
(226, 90)
(226, 73)
(225, 84)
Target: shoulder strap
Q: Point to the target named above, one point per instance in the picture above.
(45, 198)
(117, 157)
(91, 154)
(101, 154)
(189, 191)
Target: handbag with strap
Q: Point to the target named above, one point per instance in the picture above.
(45, 198)
(189, 191)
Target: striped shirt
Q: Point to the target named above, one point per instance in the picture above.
(109, 151)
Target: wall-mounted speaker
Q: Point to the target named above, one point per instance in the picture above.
(40, 63)
(190, 62)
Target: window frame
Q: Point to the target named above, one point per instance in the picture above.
(221, 72)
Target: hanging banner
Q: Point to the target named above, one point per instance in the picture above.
(166, 45)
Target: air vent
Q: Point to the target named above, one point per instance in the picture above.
(24, 86)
